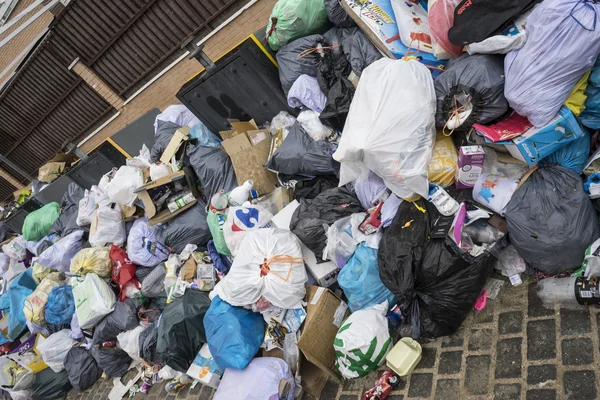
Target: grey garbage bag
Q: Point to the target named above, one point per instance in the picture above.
(551, 220)
(82, 369)
(292, 65)
(355, 45)
(69, 208)
(153, 282)
(142, 272)
(311, 218)
(473, 83)
(147, 342)
(299, 154)
(181, 330)
(337, 15)
(123, 318)
(213, 168)
(114, 362)
(189, 227)
(50, 385)
(162, 136)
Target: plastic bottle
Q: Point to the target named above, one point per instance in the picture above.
(218, 202)
(240, 194)
(559, 291)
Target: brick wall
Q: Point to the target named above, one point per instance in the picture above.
(162, 92)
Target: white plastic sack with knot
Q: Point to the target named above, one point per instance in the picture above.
(94, 299)
(390, 128)
(54, 349)
(121, 188)
(269, 264)
(241, 220)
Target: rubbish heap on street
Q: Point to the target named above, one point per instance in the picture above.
(433, 143)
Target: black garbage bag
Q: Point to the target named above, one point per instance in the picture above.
(147, 342)
(82, 369)
(337, 15)
(435, 283)
(299, 154)
(292, 64)
(475, 81)
(312, 188)
(162, 136)
(181, 330)
(310, 216)
(123, 318)
(69, 208)
(355, 45)
(213, 168)
(50, 385)
(332, 76)
(475, 21)
(153, 282)
(189, 227)
(551, 220)
(114, 362)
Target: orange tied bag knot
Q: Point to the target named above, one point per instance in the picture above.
(265, 269)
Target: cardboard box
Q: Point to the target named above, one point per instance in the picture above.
(469, 166)
(248, 147)
(173, 154)
(325, 273)
(538, 143)
(204, 368)
(144, 194)
(325, 314)
(51, 170)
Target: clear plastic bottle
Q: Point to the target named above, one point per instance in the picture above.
(219, 202)
(559, 291)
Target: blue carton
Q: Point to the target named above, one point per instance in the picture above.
(538, 143)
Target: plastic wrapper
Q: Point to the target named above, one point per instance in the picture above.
(312, 125)
(551, 220)
(269, 265)
(565, 33)
(390, 129)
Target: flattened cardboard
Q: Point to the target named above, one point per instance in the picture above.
(249, 151)
(165, 215)
(180, 136)
(318, 334)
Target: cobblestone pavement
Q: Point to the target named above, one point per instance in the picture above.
(513, 349)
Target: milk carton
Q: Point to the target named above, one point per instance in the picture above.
(470, 166)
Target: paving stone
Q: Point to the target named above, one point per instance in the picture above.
(354, 385)
(428, 358)
(535, 307)
(510, 322)
(477, 374)
(193, 392)
(455, 340)
(508, 358)
(395, 397)
(507, 392)
(330, 391)
(450, 362)
(183, 392)
(349, 397)
(540, 374)
(574, 322)
(541, 394)
(484, 316)
(480, 339)
(579, 385)
(206, 393)
(447, 389)
(541, 340)
(420, 385)
(577, 351)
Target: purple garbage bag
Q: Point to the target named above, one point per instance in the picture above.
(372, 188)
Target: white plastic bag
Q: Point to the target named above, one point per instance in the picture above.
(129, 342)
(178, 114)
(269, 264)
(93, 299)
(109, 227)
(355, 337)
(142, 161)
(54, 349)
(340, 243)
(158, 171)
(241, 220)
(87, 206)
(390, 128)
(121, 188)
(16, 248)
(312, 125)
(4, 263)
(59, 255)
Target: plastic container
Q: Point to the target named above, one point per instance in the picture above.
(219, 201)
(404, 356)
(240, 194)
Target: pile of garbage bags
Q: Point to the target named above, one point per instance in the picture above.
(414, 171)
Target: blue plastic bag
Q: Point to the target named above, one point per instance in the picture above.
(360, 280)
(220, 261)
(19, 289)
(205, 137)
(234, 334)
(60, 306)
(590, 117)
(573, 156)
